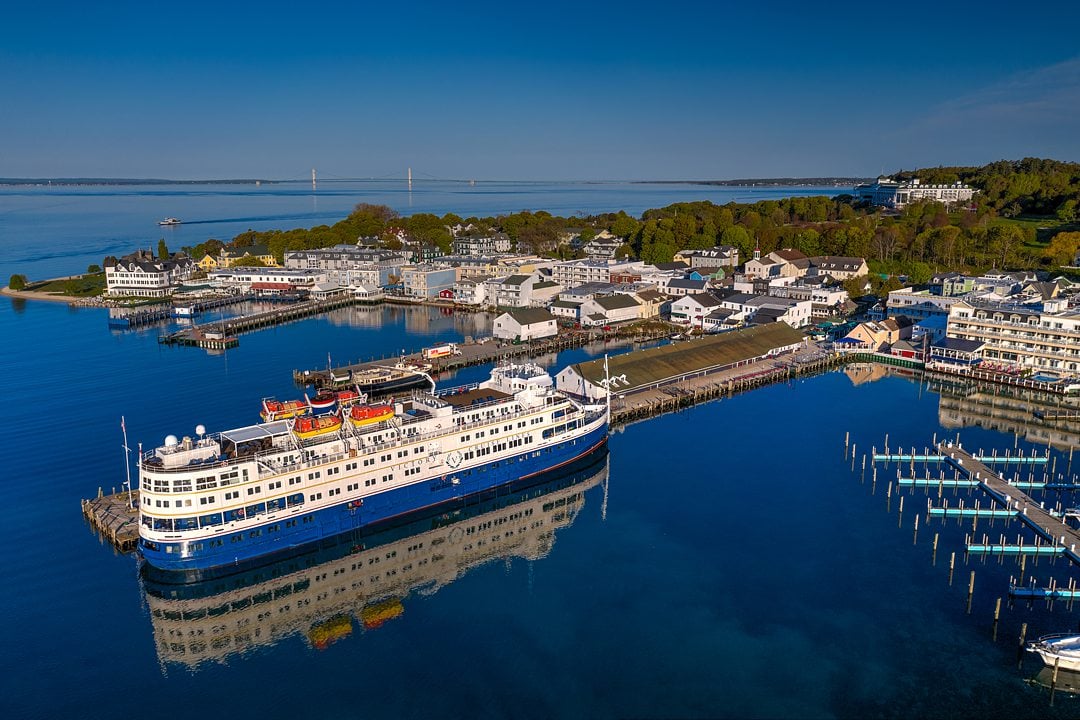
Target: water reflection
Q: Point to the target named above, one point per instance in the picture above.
(364, 580)
(1007, 410)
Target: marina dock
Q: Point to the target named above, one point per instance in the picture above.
(149, 316)
(470, 354)
(115, 517)
(1046, 525)
(197, 335)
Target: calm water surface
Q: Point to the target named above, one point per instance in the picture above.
(728, 563)
(57, 231)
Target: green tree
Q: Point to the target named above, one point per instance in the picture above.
(162, 249)
(1062, 248)
(93, 269)
(248, 261)
(17, 282)
(1066, 211)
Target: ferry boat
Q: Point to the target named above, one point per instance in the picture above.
(1062, 650)
(383, 380)
(309, 595)
(170, 221)
(254, 491)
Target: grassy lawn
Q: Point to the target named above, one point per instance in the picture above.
(1045, 227)
(85, 286)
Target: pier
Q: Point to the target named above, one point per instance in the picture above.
(149, 316)
(470, 354)
(1044, 523)
(115, 517)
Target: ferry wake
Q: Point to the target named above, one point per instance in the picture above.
(228, 498)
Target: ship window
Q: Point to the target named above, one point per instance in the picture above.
(297, 499)
(209, 520)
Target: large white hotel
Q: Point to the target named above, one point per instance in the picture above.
(1044, 336)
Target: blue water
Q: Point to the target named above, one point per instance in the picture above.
(58, 231)
(737, 569)
(733, 564)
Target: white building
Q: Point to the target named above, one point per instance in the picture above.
(608, 309)
(1041, 336)
(525, 324)
(140, 275)
(482, 246)
(427, 281)
(349, 265)
(692, 309)
(246, 279)
(572, 273)
(889, 193)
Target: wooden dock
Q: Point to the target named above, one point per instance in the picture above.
(114, 519)
(231, 327)
(491, 351)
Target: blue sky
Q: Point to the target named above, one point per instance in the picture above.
(532, 90)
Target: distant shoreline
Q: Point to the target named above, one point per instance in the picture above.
(134, 182)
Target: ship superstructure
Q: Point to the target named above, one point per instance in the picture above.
(224, 498)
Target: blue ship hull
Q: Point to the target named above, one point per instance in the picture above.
(197, 584)
(232, 551)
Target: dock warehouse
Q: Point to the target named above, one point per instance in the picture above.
(658, 366)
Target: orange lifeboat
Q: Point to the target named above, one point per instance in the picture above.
(361, 415)
(310, 426)
(278, 410)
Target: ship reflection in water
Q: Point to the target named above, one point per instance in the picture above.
(362, 581)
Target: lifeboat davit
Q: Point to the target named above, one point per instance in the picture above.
(361, 415)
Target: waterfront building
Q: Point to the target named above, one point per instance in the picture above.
(1043, 335)
(826, 301)
(919, 304)
(766, 309)
(893, 194)
(877, 336)
(471, 291)
(427, 281)
(140, 274)
(608, 309)
(231, 255)
(520, 291)
(955, 353)
(692, 309)
(523, 324)
(666, 364)
(268, 280)
(350, 265)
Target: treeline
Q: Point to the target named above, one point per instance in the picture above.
(923, 238)
(1032, 186)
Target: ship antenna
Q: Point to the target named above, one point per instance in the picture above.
(127, 458)
(607, 388)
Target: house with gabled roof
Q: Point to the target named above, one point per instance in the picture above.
(525, 324)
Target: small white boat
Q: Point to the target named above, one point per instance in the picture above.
(1061, 650)
(170, 221)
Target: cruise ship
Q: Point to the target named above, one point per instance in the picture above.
(364, 579)
(211, 504)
